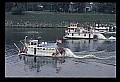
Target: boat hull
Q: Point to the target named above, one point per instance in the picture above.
(85, 36)
(51, 53)
(22, 53)
(66, 37)
(68, 53)
(41, 54)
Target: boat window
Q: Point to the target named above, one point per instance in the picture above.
(53, 48)
(40, 48)
(34, 43)
(84, 34)
(40, 45)
(42, 42)
(43, 48)
(31, 43)
(49, 48)
(72, 34)
(69, 30)
(45, 42)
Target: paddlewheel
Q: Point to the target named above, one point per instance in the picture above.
(59, 51)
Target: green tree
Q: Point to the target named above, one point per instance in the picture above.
(107, 7)
(17, 8)
(8, 6)
(80, 6)
(110, 8)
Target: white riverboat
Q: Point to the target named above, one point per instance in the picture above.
(41, 48)
(83, 32)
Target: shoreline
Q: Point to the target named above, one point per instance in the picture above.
(16, 26)
(50, 19)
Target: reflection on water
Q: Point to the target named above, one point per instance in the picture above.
(36, 63)
(91, 45)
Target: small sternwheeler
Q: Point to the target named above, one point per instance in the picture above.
(37, 47)
(82, 32)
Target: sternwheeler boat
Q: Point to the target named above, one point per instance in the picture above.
(82, 32)
(37, 47)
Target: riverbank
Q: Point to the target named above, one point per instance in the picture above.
(23, 26)
(52, 19)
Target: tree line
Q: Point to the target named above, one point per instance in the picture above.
(68, 7)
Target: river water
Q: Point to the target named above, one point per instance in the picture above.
(102, 65)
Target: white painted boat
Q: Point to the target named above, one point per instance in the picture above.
(45, 49)
(83, 32)
(41, 48)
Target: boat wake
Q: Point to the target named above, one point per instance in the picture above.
(69, 53)
(94, 57)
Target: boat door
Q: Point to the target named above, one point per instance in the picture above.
(34, 51)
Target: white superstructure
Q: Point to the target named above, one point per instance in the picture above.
(42, 48)
(83, 32)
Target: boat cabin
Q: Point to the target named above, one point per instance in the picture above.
(34, 42)
(73, 26)
(37, 43)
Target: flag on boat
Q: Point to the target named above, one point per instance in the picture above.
(59, 41)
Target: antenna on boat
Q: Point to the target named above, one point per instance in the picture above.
(16, 46)
(21, 42)
(39, 38)
(26, 38)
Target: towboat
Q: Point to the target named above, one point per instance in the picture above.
(37, 47)
(84, 32)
